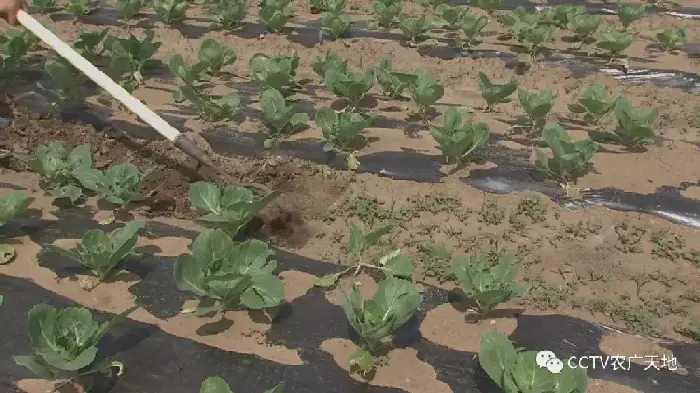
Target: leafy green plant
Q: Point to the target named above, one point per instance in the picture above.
(629, 13)
(275, 72)
(536, 107)
(394, 303)
(426, 91)
(17, 43)
(387, 12)
(171, 11)
(431, 4)
(613, 42)
(593, 104)
(570, 160)
(343, 132)
(129, 9)
(336, 23)
(487, 286)
(80, 7)
(534, 36)
(190, 75)
(584, 26)
(7, 254)
(672, 38)
(281, 117)
(562, 15)
(45, 6)
(215, 56)
(352, 86)
(495, 94)
(415, 29)
(230, 208)
(393, 82)
(218, 385)
(227, 14)
(118, 184)
(212, 108)
(228, 274)
(57, 168)
(64, 342)
(451, 16)
(88, 44)
(330, 60)
(101, 252)
(316, 6)
(489, 6)
(63, 80)
(13, 205)
(458, 140)
(634, 126)
(395, 263)
(133, 57)
(517, 370)
(276, 13)
(472, 29)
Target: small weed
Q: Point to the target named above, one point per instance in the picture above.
(491, 213)
(637, 319)
(694, 331)
(435, 203)
(666, 245)
(368, 210)
(436, 262)
(629, 236)
(530, 210)
(583, 229)
(546, 296)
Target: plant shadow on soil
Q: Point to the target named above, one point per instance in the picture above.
(296, 326)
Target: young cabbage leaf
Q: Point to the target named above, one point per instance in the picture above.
(456, 139)
(337, 23)
(415, 29)
(331, 60)
(275, 72)
(133, 57)
(629, 13)
(128, 9)
(562, 15)
(584, 26)
(634, 126)
(536, 107)
(672, 38)
(190, 75)
(63, 80)
(451, 16)
(534, 36)
(472, 28)
(282, 118)
(45, 6)
(394, 303)
(64, 342)
(594, 104)
(212, 108)
(489, 6)
(570, 160)
(426, 91)
(394, 82)
(230, 208)
(343, 132)
(613, 42)
(102, 253)
(215, 56)
(171, 11)
(88, 44)
(229, 274)
(119, 184)
(387, 12)
(353, 86)
(487, 286)
(276, 13)
(12, 205)
(227, 14)
(80, 7)
(218, 385)
(57, 168)
(495, 94)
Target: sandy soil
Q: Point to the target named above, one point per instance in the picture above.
(584, 264)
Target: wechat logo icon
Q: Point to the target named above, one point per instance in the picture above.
(548, 360)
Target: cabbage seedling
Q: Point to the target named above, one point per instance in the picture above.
(490, 6)
(495, 94)
(190, 75)
(518, 370)
(387, 12)
(394, 303)
(536, 107)
(215, 56)
(472, 28)
(395, 263)
(534, 36)
(227, 14)
(431, 4)
(570, 160)
(487, 286)
(593, 104)
(171, 11)
(133, 57)
(634, 125)
(613, 42)
(415, 29)
(276, 13)
(426, 91)
(102, 253)
(218, 385)
(458, 140)
(211, 108)
(352, 86)
(230, 208)
(331, 60)
(584, 26)
(57, 168)
(64, 343)
(17, 43)
(63, 80)
(335, 23)
(129, 9)
(281, 117)
(393, 82)
(343, 132)
(451, 16)
(672, 38)
(80, 7)
(118, 185)
(562, 15)
(88, 44)
(45, 6)
(12, 205)
(228, 274)
(275, 72)
(629, 13)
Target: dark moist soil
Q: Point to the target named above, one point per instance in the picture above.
(305, 190)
